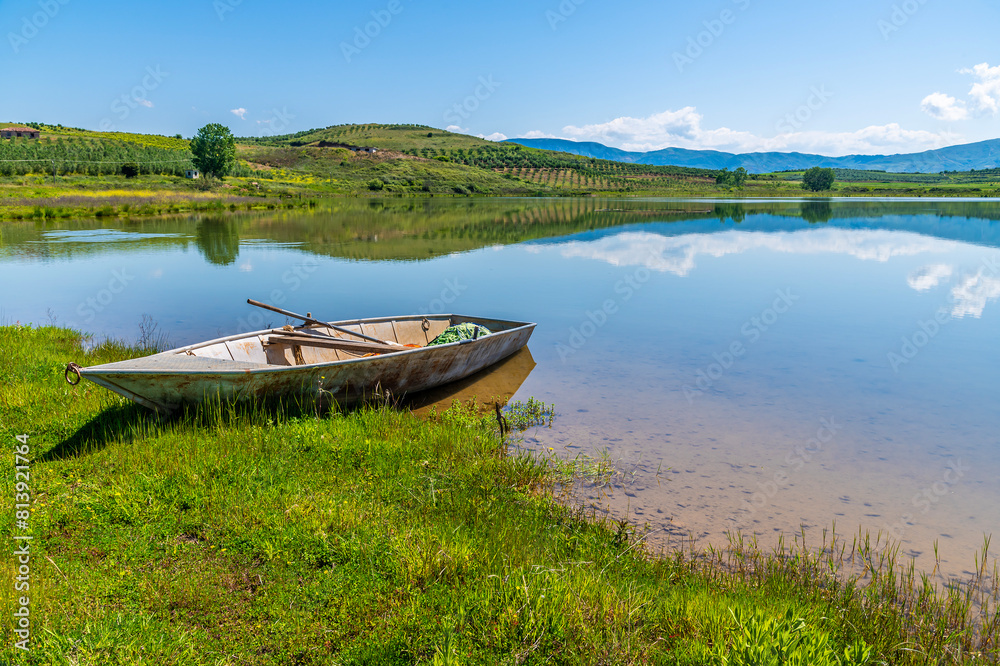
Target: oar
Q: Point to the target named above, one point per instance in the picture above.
(310, 320)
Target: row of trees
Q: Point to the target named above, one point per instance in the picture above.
(213, 151)
(514, 156)
(93, 157)
(816, 179)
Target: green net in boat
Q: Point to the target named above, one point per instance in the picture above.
(466, 331)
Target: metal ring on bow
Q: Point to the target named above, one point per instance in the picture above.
(425, 325)
(75, 369)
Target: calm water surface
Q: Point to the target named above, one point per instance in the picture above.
(769, 367)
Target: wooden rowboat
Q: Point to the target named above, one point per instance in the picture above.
(336, 360)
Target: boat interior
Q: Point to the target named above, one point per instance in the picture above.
(306, 345)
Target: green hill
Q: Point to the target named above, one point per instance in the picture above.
(493, 168)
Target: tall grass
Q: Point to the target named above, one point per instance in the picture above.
(270, 534)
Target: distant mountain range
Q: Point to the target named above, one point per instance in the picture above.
(981, 155)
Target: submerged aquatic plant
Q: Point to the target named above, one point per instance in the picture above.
(523, 415)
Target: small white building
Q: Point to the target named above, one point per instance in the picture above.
(192, 173)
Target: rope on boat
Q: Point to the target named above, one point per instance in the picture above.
(75, 369)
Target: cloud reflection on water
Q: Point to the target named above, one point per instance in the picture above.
(679, 255)
(973, 293)
(929, 277)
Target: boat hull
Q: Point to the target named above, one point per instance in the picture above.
(167, 381)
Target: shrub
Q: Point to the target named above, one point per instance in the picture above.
(206, 183)
(818, 179)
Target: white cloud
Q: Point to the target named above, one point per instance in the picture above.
(944, 107)
(986, 92)
(973, 293)
(683, 129)
(496, 136)
(659, 129)
(145, 102)
(240, 112)
(928, 277)
(535, 134)
(679, 254)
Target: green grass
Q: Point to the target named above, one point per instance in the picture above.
(981, 176)
(41, 197)
(269, 535)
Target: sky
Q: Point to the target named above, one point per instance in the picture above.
(869, 77)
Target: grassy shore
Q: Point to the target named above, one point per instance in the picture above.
(252, 535)
(37, 197)
(44, 198)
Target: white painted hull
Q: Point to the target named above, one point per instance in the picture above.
(248, 366)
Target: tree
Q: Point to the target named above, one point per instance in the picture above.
(815, 211)
(740, 177)
(732, 178)
(214, 150)
(818, 179)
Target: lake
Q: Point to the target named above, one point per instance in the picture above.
(766, 367)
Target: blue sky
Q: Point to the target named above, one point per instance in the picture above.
(879, 76)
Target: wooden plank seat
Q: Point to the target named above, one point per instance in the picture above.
(356, 346)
